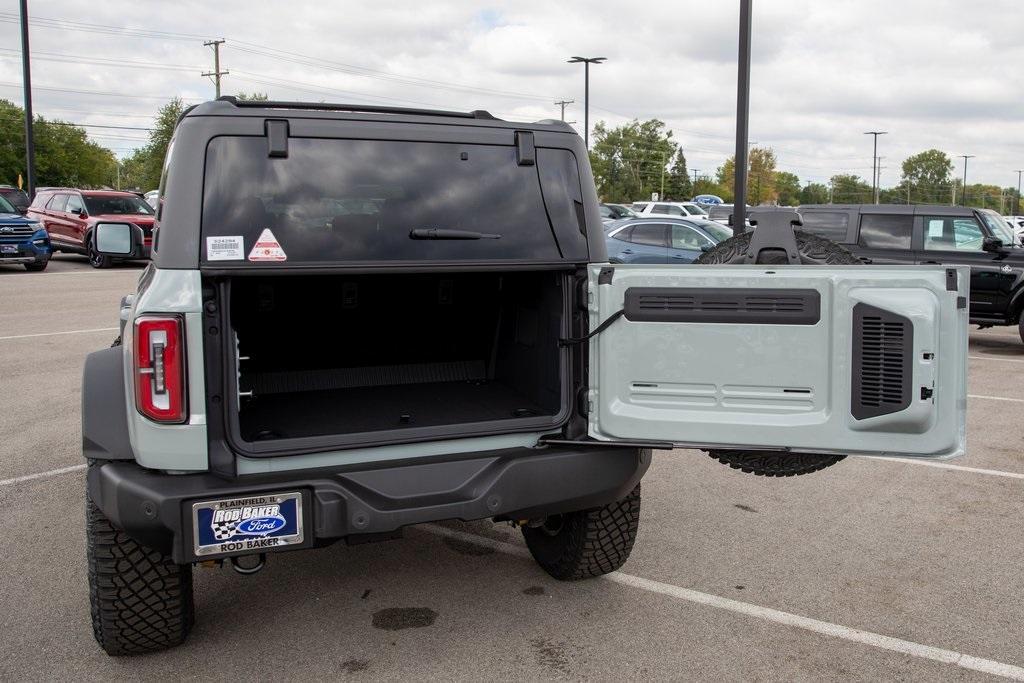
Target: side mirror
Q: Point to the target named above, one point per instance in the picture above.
(993, 244)
(117, 239)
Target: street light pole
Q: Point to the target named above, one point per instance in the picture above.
(26, 71)
(963, 193)
(874, 164)
(739, 205)
(1017, 203)
(586, 61)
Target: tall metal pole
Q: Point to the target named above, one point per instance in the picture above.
(963, 193)
(586, 61)
(874, 164)
(26, 75)
(1017, 200)
(739, 206)
(586, 104)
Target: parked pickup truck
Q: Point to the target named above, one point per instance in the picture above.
(361, 318)
(935, 235)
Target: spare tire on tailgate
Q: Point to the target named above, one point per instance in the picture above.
(813, 250)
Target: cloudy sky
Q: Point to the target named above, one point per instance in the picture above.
(934, 73)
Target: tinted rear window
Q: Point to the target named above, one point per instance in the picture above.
(829, 225)
(879, 231)
(16, 197)
(357, 200)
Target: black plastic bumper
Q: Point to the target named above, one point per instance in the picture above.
(516, 483)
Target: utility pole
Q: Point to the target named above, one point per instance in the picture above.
(586, 61)
(739, 206)
(562, 103)
(1017, 204)
(874, 164)
(661, 196)
(26, 75)
(216, 73)
(695, 172)
(963, 197)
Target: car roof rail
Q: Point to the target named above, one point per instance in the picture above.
(367, 108)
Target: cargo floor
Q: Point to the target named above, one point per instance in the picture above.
(368, 409)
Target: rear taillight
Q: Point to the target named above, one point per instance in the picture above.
(160, 368)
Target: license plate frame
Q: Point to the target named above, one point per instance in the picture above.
(248, 524)
(9, 249)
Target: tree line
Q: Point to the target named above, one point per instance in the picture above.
(636, 159)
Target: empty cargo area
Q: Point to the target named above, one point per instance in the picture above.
(449, 354)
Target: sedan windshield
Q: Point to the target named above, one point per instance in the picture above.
(999, 228)
(128, 205)
(6, 207)
(716, 230)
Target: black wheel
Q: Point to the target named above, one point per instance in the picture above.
(1020, 327)
(588, 543)
(96, 260)
(140, 600)
(37, 267)
(814, 250)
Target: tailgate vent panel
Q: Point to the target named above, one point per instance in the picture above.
(723, 305)
(883, 344)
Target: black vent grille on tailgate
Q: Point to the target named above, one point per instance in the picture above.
(883, 344)
(723, 305)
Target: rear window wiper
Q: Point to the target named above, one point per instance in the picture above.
(443, 234)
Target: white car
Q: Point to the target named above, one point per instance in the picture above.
(684, 209)
(1017, 223)
(151, 197)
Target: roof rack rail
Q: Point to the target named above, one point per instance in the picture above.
(369, 108)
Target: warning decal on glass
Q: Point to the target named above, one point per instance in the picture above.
(267, 248)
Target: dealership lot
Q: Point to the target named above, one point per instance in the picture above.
(907, 570)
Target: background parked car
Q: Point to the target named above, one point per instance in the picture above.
(720, 213)
(683, 209)
(17, 198)
(151, 198)
(22, 240)
(68, 215)
(661, 239)
(1016, 224)
(614, 212)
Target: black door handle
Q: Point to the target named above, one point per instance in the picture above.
(931, 263)
(864, 259)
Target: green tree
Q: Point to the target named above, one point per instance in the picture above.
(814, 193)
(928, 176)
(760, 176)
(678, 186)
(787, 188)
(850, 189)
(64, 153)
(142, 167)
(252, 96)
(629, 160)
(706, 185)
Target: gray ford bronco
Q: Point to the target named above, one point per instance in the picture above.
(358, 319)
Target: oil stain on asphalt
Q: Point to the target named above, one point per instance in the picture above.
(533, 590)
(745, 508)
(400, 618)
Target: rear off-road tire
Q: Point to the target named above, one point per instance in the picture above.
(814, 250)
(587, 543)
(140, 600)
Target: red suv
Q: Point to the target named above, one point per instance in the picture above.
(69, 215)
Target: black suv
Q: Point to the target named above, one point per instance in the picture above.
(934, 234)
(358, 319)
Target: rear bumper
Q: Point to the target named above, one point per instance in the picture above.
(153, 507)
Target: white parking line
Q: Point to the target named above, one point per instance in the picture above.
(1005, 360)
(877, 640)
(42, 475)
(52, 334)
(957, 468)
(996, 398)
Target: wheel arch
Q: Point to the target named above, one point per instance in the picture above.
(105, 433)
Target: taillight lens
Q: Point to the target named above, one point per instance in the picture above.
(160, 368)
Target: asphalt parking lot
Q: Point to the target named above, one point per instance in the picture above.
(872, 569)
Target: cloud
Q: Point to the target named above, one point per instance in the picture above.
(940, 73)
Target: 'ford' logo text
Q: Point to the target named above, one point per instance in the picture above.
(260, 526)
